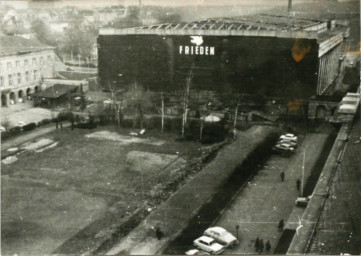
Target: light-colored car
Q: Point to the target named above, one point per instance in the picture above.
(221, 235)
(289, 136)
(283, 149)
(302, 201)
(289, 142)
(196, 252)
(208, 244)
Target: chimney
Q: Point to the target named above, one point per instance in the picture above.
(289, 7)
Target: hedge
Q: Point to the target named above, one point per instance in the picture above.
(29, 127)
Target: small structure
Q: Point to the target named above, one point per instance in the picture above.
(57, 95)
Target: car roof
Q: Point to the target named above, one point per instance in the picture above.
(285, 145)
(192, 252)
(206, 239)
(217, 229)
(287, 142)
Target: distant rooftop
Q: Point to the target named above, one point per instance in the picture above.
(11, 45)
(258, 25)
(254, 22)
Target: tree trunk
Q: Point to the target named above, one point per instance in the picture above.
(235, 122)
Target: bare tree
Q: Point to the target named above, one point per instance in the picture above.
(202, 120)
(140, 99)
(186, 99)
(114, 90)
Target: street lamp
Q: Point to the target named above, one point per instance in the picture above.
(237, 228)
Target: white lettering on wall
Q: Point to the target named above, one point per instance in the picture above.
(196, 50)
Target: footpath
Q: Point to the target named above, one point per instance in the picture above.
(27, 136)
(175, 214)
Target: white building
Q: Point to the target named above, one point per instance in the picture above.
(23, 65)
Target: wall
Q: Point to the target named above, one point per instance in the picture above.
(264, 65)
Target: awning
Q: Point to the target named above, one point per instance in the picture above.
(55, 91)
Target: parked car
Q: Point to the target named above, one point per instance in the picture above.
(196, 252)
(289, 136)
(283, 149)
(302, 201)
(221, 235)
(293, 144)
(208, 244)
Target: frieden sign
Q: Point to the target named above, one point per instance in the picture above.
(196, 49)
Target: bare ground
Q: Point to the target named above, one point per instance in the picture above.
(82, 188)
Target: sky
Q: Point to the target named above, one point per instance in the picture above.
(87, 3)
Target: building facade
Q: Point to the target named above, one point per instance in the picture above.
(269, 55)
(23, 65)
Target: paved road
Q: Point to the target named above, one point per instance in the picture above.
(266, 199)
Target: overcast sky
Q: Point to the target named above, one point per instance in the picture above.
(89, 3)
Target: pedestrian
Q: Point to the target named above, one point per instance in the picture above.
(261, 245)
(256, 244)
(280, 225)
(158, 233)
(298, 184)
(268, 246)
(282, 176)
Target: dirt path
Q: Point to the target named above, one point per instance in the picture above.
(22, 138)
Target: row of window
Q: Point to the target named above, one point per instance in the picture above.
(11, 78)
(9, 65)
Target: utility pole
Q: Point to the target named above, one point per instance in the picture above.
(202, 122)
(303, 171)
(186, 98)
(162, 98)
(235, 122)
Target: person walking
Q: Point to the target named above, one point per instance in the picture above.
(298, 184)
(158, 233)
(261, 245)
(282, 176)
(256, 244)
(268, 246)
(280, 225)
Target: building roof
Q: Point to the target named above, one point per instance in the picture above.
(261, 25)
(13, 45)
(55, 91)
(254, 22)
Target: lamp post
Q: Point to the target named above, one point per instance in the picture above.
(237, 228)
(235, 122)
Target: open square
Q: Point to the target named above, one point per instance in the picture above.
(49, 196)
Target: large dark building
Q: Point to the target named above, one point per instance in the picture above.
(268, 55)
